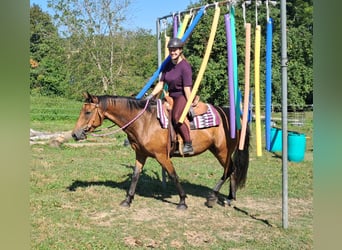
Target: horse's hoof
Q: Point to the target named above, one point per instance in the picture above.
(228, 202)
(125, 204)
(211, 201)
(210, 205)
(182, 207)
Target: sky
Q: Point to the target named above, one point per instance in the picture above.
(144, 12)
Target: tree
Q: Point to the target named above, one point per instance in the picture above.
(93, 29)
(300, 55)
(47, 69)
(141, 61)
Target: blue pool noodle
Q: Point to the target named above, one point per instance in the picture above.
(268, 84)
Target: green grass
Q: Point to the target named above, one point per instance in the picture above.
(75, 194)
(53, 114)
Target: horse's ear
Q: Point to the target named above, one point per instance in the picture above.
(90, 98)
(87, 96)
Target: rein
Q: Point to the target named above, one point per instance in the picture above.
(126, 125)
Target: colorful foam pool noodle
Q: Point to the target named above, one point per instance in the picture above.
(182, 28)
(203, 64)
(166, 50)
(193, 24)
(257, 89)
(175, 25)
(250, 111)
(168, 58)
(166, 54)
(235, 67)
(230, 68)
(247, 82)
(268, 102)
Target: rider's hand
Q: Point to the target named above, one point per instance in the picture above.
(149, 97)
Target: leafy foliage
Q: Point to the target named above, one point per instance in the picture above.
(47, 56)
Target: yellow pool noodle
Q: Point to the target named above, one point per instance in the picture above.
(203, 64)
(183, 26)
(257, 90)
(166, 50)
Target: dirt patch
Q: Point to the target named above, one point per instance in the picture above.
(199, 226)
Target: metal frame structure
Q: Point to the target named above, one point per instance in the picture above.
(284, 91)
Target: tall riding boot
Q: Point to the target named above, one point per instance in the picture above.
(185, 133)
(187, 149)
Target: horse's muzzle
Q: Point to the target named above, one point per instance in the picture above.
(79, 134)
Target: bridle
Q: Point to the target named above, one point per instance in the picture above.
(95, 114)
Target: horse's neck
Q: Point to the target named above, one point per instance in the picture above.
(121, 115)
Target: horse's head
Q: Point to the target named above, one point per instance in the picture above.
(91, 117)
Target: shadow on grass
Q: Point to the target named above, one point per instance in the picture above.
(252, 216)
(277, 155)
(149, 185)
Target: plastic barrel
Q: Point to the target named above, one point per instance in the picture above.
(276, 140)
(296, 146)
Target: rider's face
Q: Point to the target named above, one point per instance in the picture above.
(175, 53)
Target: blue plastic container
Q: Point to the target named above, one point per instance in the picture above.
(276, 140)
(296, 144)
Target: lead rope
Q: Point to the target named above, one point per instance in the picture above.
(126, 125)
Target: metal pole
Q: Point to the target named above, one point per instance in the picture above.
(159, 63)
(284, 111)
(158, 41)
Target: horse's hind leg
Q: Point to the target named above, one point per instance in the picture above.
(232, 185)
(212, 197)
(232, 190)
(139, 163)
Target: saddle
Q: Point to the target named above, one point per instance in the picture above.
(198, 106)
(175, 140)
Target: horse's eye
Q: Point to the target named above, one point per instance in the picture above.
(87, 112)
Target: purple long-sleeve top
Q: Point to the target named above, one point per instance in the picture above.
(177, 76)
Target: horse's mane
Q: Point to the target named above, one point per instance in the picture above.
(131, 102)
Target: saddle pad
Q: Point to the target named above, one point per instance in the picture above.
(209, 119)
(164, 121)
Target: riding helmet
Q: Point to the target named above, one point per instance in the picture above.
(175, 43)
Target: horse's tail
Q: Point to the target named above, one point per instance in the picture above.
(241, 157)
(241, 162)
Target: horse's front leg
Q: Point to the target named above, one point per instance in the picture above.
(139, 164)
(168, 166)
(181, 205)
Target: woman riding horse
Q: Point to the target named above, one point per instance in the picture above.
(177, 74)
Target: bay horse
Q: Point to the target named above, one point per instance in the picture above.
(138, 119)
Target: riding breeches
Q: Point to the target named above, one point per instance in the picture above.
(177, 110)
